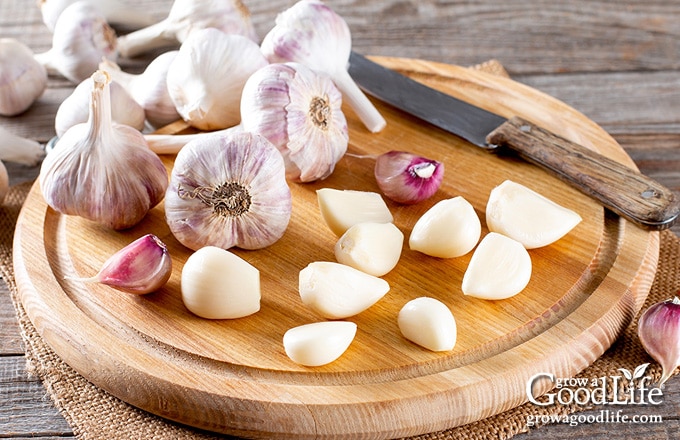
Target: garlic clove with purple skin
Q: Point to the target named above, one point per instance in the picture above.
(659, 333)
(300, 112)
(407, 178)
(141, 267)
(4, 182)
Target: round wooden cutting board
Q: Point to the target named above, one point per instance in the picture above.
(233, 376)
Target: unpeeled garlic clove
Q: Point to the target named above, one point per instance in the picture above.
(659, 333)
(116, 13)
(429, 323)
(373, 248)
(82, 37)
(20, 150)
(527, 216)
(22, 79)
(499, 268)
(206, 78)
(336, 291)
(300, 112)
(449, 229)
(4, 182)
(407, 178)
(318, 343)
(342, 209)
(141, 267)
(217, 284)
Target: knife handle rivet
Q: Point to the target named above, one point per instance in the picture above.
(525, 128)
(648, 194)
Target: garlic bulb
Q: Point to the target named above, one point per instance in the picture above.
(206, 78)
(20, 150)
(311, 33)
(148, 88)
(75, 109)
(81, 38)
(22, 78)
(141, 267)
(185, 17)
(342, 209)
(300, 112)
(116, 13)
(103, 171)
(217, 284)
(228, 190)
(429, 323)
(4, 182)
(318, 343)
(659, 333)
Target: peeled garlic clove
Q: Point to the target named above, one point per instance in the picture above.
(4, 182)
(530, 218)
(659, 333)
(373, 248)
(499, 268)
(336, 291)
(75, 109)
(311, 33)
(103, 171)
(206, 78)
(81, 38)
(300, 112)
(228, 190)
(22, 79)
(319, 343)
(407, 178)
(18, 149)
(342, 209)
(217, 284)
(143, 266)
(429, 323)
(449, 229)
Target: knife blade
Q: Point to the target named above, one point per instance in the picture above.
(623, 190)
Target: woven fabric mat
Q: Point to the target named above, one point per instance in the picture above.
(92, 413)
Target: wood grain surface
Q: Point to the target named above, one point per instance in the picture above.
(153, 353)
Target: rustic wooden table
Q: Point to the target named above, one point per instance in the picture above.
(617, 61)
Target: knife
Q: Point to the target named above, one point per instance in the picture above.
(623, 190)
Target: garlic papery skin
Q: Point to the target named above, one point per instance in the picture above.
(318, 343)
(22, 79)
(449, 229)
(206, 78)
(218, 284)
(75, 109)
(336, 291)
(407, 178)
(374, 248)
(141, 267)
(103, 171)
(300, 112)
(342, 209)
(659, 333)
(20, 150)
(311, 33)
(429, 323)
(527, 216)
(116, 13)
(149, 88)
(228, 190)
(4, 182)
(186, 17)
(82, 37)
(499, 268)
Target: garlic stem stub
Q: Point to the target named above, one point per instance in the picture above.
(311, 33)
(116, 12)
(228, 190)
(318, 343)
(20, 150)
(206, 78)
(659, 333)
(141, 267)
(22, 79)
(173, 143)
(185, 17)
(407, 178)
(103, 171)
(299, 111)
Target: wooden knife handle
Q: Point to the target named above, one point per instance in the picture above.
(623, 190)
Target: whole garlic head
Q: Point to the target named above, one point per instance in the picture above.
(300, 112)
(22, 78)
(207, 77)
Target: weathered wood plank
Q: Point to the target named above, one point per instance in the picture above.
(10, 333)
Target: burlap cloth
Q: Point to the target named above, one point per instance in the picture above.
(94, 414)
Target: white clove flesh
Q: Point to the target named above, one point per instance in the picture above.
(374, 248)
(342, 209)
(318, 343)
(429, 323)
